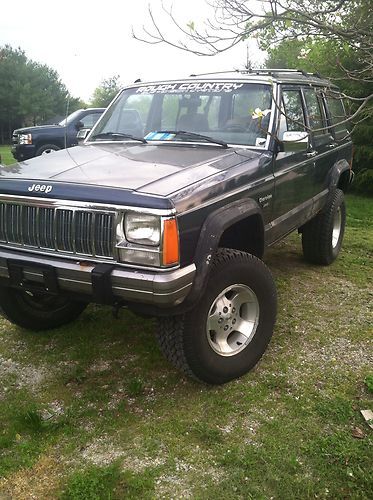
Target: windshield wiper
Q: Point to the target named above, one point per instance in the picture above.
(118, 135)
(194, 134)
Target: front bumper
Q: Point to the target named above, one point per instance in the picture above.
(161, 289)
(23, 151)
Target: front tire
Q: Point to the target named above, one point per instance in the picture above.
(46, 149)
(229, 329)
(38, 311)
(322, 236)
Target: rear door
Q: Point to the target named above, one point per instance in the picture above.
(322, 140)
(339, 128)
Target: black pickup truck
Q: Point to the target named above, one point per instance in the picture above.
(168, 206)
(28, 142)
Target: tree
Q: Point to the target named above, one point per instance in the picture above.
(30, 92)
(329, 59)
(12, 73)
(105, 92)
(345, 23)
(42, 94)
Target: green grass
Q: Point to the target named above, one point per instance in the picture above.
(6, 155)
(369, 382)
(92, 410)
(97, 483)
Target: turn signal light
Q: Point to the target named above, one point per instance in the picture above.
(170, 247)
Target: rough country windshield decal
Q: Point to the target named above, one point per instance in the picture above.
(173, 88)
(218, 113)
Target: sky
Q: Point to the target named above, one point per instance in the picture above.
(88, 41)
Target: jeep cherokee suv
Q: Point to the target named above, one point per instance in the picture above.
(168, 206)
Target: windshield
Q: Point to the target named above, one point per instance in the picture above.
(228, 112)
(70, 118)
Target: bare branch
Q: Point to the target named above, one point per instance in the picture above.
(273, 21)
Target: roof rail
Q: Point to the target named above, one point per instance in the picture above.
(260, 71)
(217, 72)
(271, 71)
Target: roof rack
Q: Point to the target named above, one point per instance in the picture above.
(217, 72)
(270, 71)
(260, 71)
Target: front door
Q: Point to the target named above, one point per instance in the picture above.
(293, 171)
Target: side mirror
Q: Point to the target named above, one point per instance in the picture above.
(79, 125)
(295, 141)
(82, 134)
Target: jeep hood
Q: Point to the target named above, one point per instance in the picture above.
(146, 168)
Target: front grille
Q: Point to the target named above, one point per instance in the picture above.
(66, 230)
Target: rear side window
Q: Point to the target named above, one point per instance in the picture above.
(336, 112)
(314, 111)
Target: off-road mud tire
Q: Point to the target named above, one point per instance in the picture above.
(38, 311)
(321, 242)
(184, 339)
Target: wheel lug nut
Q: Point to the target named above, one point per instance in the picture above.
(220, 320)
(234, 310)
(225, 309)
(233, 321)
(226, 327)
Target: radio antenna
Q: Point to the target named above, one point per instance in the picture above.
(67, 114)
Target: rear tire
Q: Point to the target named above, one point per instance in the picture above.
(228, 330)
(38, 311)
(322, 236)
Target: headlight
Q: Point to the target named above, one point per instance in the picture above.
(148, 240)
(25, 139)
(143, 229)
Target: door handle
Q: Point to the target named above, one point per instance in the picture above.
(311, 154)
(331, 145)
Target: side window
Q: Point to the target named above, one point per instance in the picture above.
(282, 125)
(294, 115)
(315, 116)
(89, 120)
(336, 112)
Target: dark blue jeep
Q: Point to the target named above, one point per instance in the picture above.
(168, 207)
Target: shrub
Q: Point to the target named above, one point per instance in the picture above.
(363, 183)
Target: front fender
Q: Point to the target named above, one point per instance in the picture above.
(213, 228)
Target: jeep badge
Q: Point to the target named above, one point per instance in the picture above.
(42, 188)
